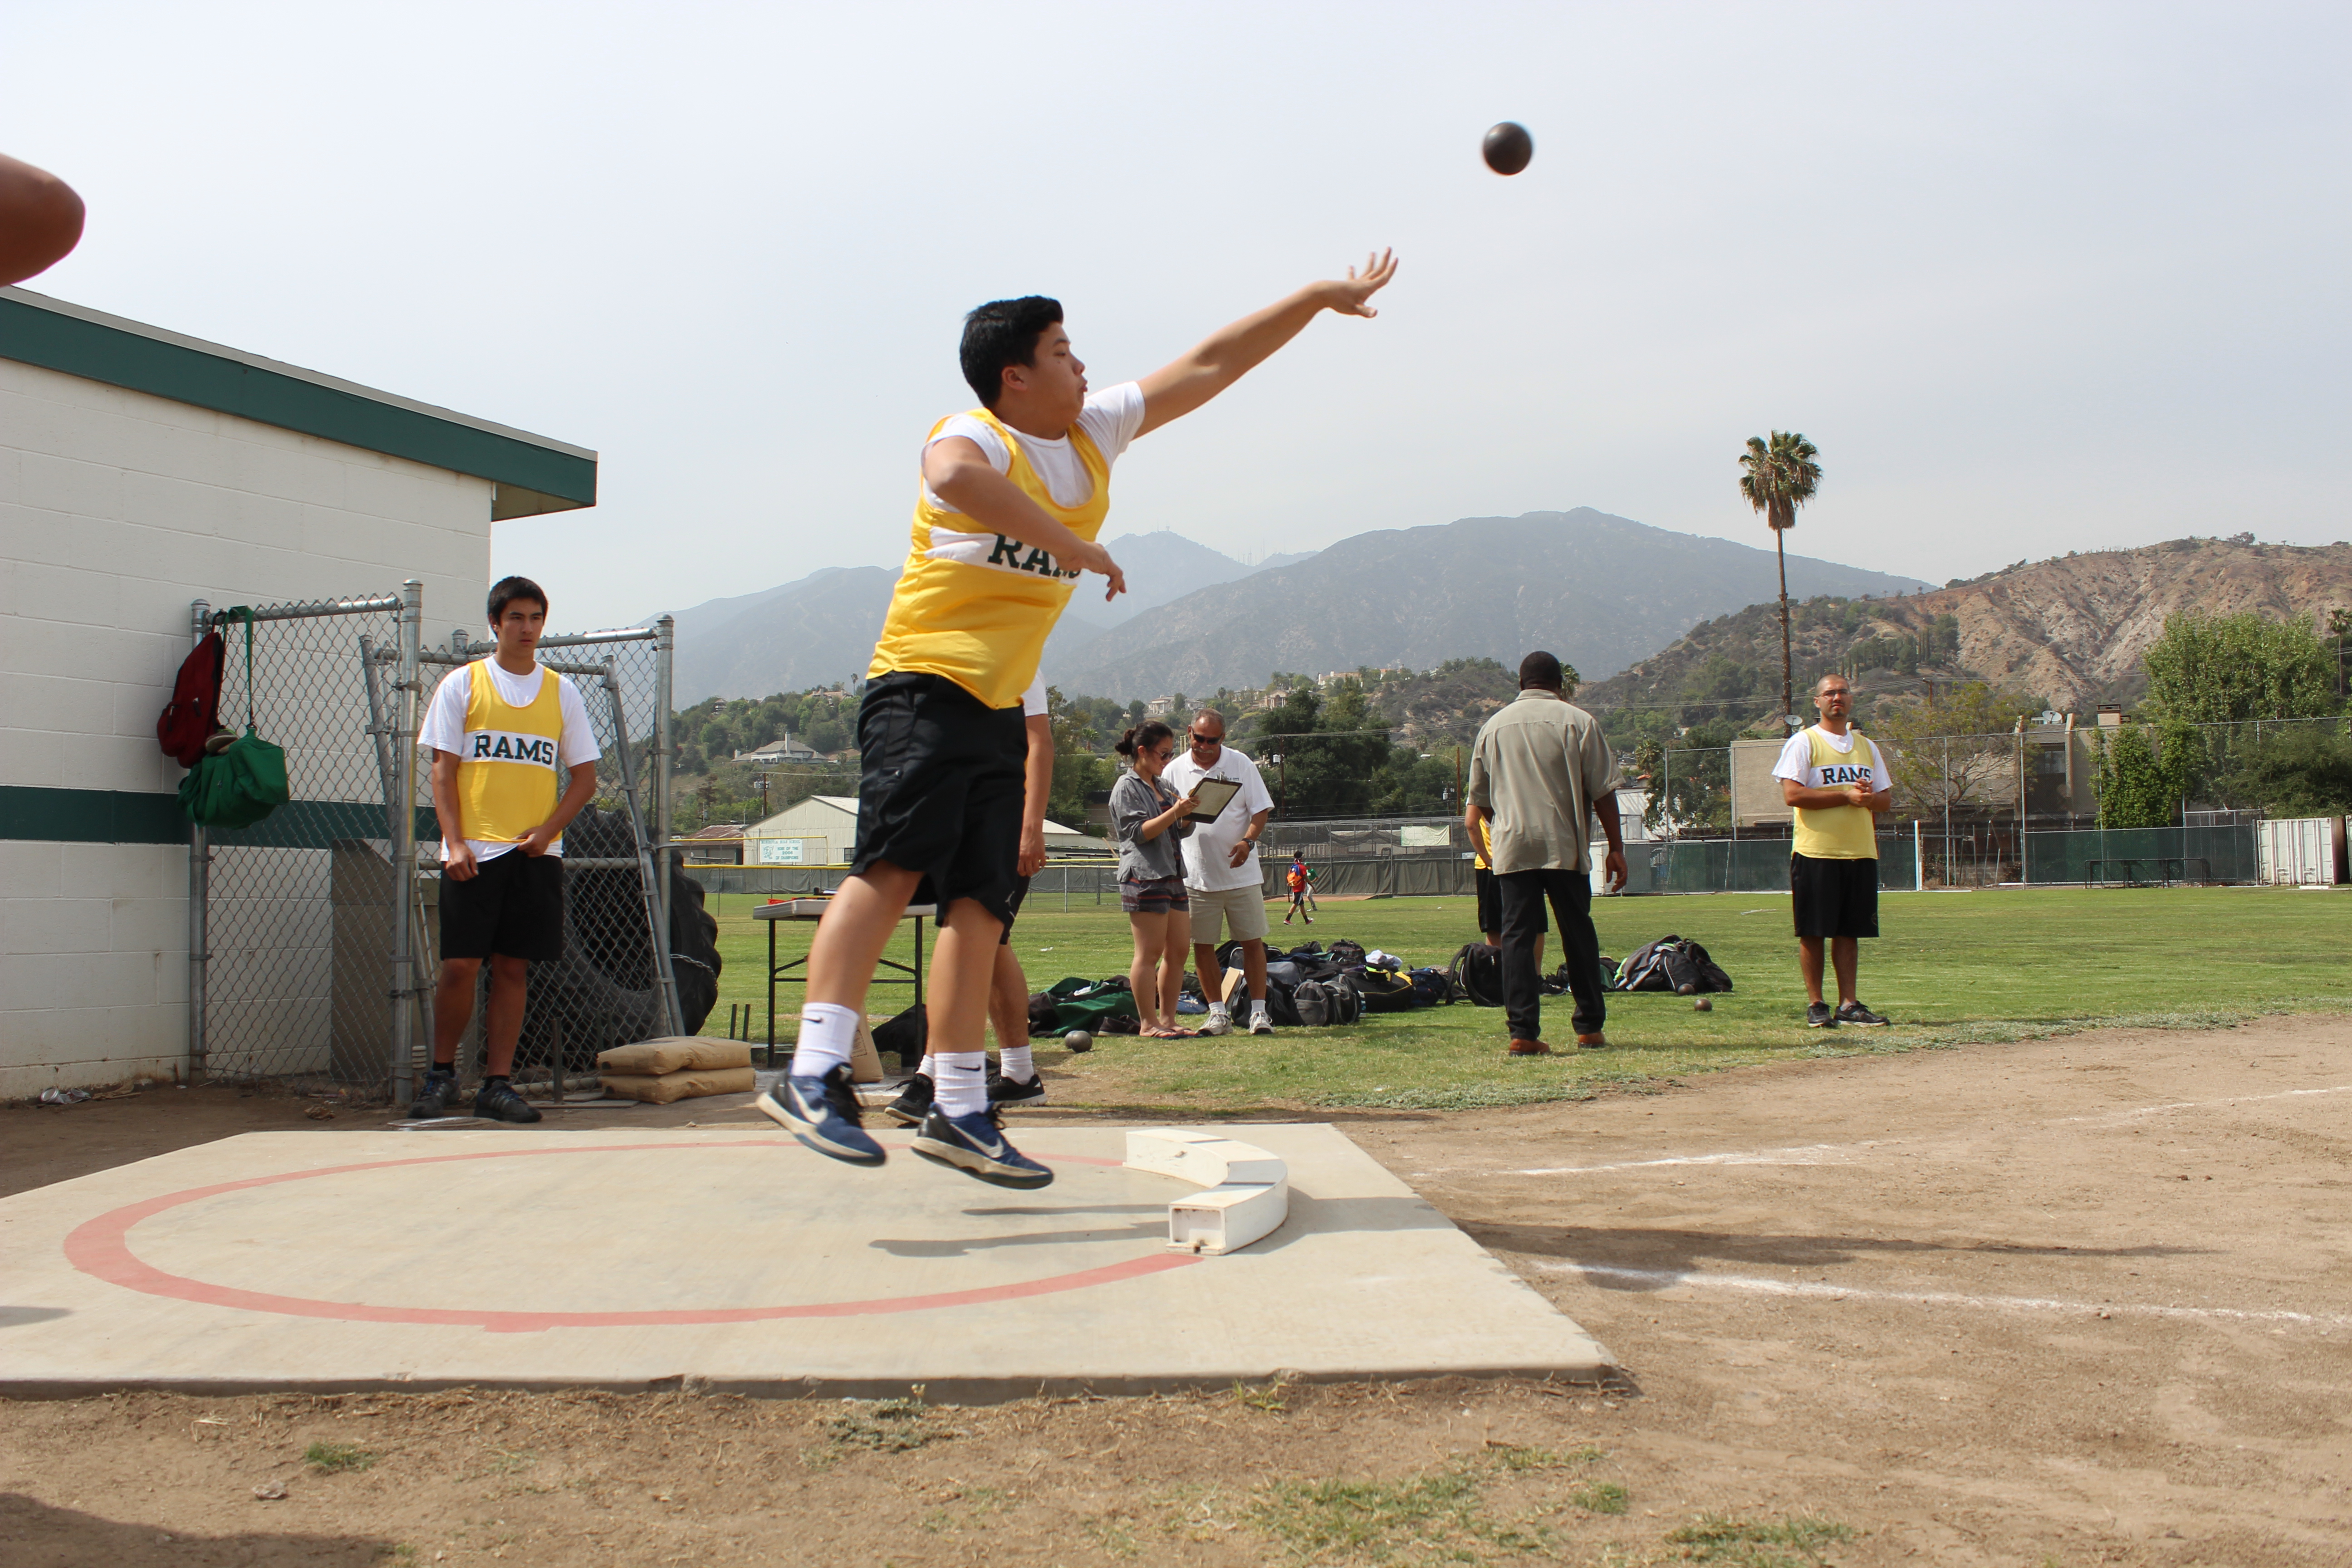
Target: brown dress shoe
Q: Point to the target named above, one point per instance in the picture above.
(1592, 1042)
(1530, 1048)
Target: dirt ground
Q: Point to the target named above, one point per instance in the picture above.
(2080, 1300)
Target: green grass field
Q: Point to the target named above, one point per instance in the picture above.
(1952, 968)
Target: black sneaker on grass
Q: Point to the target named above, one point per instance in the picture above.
(914, 1101)
(1862, 1018)
(1818, 1017)
(433, 1095)
(1002, 1091)
(497, 1101)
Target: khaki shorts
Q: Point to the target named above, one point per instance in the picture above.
(1243, 908)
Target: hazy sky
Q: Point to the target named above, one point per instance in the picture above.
(2034, 279)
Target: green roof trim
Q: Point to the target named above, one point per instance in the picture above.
(532, 473)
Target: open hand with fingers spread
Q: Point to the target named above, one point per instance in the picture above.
(1347, 296)
(1094, 558)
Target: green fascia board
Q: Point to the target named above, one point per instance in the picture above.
(532, 473)
(130, 817)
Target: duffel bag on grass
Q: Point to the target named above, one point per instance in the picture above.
(1477, 975)
(1386, 991)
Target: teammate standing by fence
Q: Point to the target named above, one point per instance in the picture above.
(1833, 776)
(501, 730)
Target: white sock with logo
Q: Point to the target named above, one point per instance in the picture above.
(962, 1080)
(1018, 1065)
(828, 1030)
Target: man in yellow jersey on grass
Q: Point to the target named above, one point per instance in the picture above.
(500, 730)
(1012, 496)
(1834, 777)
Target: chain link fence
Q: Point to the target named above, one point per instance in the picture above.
(292, 919)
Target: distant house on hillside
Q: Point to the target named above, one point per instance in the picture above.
(784, 751)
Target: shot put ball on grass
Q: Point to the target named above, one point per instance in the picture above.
(1509, 147)
(1077, 1040)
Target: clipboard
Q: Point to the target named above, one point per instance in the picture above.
(1210, 798)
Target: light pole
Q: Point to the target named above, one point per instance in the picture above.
(1281, 787)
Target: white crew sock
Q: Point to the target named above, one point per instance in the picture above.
(1017, 1064)
(828, 1030)
(1219, 1009)
(1257, 1008)
(962, 1080)
(930, 1067)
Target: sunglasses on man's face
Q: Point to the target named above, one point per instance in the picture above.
(1199, 741)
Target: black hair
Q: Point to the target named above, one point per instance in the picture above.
(1142, 738)
(1539, 668)
(1004, 332)
(506, 590)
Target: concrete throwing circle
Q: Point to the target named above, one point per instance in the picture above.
(101, 1247)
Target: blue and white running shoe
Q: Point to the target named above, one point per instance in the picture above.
(823, 1113)
(975, 1144)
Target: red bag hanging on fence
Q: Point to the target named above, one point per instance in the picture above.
(189, 720)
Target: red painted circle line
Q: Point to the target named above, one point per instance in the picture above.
(101, 1247)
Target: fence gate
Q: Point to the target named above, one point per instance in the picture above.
(616, 980)
(294, 941)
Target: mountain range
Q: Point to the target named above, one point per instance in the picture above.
(1600, 591)
(2069, 630)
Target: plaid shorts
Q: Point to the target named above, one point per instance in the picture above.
(1153, 895)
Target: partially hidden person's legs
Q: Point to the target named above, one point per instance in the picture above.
(1008, 1009)
(962, 1131)
(1523, 921)
(1571, 894)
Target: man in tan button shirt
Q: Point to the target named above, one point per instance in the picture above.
(1539, 772)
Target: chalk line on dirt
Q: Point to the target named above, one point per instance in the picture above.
(1840, 1153)
(1755, 1286)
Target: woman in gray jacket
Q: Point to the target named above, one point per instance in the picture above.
(1148, 817)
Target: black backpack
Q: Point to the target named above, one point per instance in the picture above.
(1476, 972)
(1671, 963)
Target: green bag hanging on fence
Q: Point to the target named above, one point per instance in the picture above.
(245, 781)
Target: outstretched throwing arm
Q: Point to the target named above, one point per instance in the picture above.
(1224, 356)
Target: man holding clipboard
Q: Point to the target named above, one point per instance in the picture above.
(1222, 879)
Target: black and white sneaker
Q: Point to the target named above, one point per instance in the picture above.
(1862, 1018)
(497, 1100)
(1003, 1091)
(433, 1095)
(976, 1145)
(914, 1101)
(1818, 1017)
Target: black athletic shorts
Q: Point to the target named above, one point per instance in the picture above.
(1020, 891)
(1834, 897)
(941, 790)
(512, 907)
(1490, 902)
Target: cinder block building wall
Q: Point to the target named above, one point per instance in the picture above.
(140, 471)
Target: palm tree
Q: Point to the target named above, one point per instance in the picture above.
(1778, 476)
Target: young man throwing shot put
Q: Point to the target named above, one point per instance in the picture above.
(501, 730)
(1832, 775)
(1012, 496)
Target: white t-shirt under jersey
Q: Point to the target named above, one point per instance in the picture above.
(444, 729)
(1110, 419)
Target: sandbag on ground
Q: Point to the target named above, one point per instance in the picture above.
(674, 1053)
(660, 1089)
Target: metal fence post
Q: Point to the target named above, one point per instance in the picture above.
(199, 896)
(665, 656)
(406, 939)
